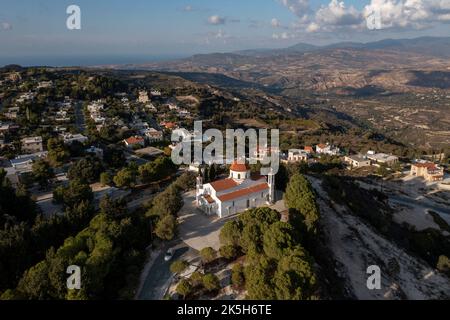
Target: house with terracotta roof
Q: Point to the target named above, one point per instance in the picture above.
(429, 171)
(309, 149)
(135, 141)
(239, 192)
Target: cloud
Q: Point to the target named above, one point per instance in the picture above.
(216, 20)
(188, 8)
(275, 23)
(298, 7)
(5, 26)
(336, 15)
(394, 14)
(282, 36)
(414, 14)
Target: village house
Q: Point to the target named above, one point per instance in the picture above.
(23, 165)
(133, 142)
(155, 93)
(143, 97)
(45, 84)
(309, 149)
(382, 158)
(239, 192)
(32, 145)
(71, 138)
(357, 161)
(27, 96)
(428, 170)
(327, 149)
(169, 125)
(153, 135)
(297, 155)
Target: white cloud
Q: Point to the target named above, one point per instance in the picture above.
(398, 14)
(216, 20)
(336, 14)
(299, 7)
(5, 26)
(275, 23)
(282, 36)
(188, 8)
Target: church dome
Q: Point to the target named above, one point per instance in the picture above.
(239, 167)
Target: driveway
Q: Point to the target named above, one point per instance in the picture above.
(159, 277)
(196, 229)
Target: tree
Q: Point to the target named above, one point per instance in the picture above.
(166, 227)
(208, 254)
(230, 233)
(237, 275)
(42, 172)
(443, 265)
(211, 282)
(196, 278)
(57, 152)
(124, 178)
(277, 240)
(300, 197)
(87, 170)
(184, 288)
(168, 202)
(105, 179)
(178, 266)
(35, 284)
(295, 278)
(228, 252)
(258, 280)
(73, 194)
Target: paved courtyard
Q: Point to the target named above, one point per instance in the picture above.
(198, 230)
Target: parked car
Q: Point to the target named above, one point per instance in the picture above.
(169, 255)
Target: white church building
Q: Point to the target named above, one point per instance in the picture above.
(235, 194)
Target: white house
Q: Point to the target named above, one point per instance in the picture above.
(71, 138)
(239, 192)
(143, 97)
(382, 158)
(357, 161)
(327, 149)
(297, 155)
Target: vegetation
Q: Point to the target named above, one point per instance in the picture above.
(178, 266)
(277, 266)
(300, 197)
(208, 254)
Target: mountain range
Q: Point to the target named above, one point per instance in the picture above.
(393, 65)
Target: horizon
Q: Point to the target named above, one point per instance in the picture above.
(96, 60)
(36, 32)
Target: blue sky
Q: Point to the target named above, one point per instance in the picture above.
(37, 28)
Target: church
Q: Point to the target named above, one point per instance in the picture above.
(242, 190)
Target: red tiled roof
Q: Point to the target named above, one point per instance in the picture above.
(239, 167)
(309, 148)
(209, 199)
(243, 192)
(428, 165)
(169, 125)
(134, 140)
(322, 146)
(224, 184)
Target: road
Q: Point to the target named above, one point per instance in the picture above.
(79, 117)
(159, 277)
